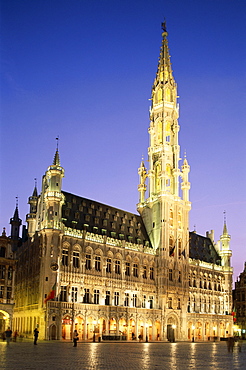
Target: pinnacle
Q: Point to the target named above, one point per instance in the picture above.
(56, 161)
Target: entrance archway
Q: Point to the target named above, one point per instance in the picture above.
(52, 332)
(79, 326)
(4, 320)
(67, 327)
(171, 329)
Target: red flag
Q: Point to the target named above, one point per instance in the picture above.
(234, 315)
(51, 294)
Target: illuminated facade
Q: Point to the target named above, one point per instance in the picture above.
(121, 275)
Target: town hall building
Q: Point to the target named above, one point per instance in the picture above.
(112, 274)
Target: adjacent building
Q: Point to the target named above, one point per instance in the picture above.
(7, 272)
(114, 274)
(239, 304)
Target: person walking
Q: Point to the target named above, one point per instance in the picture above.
(8, 335)
(36, 332)
(15, 336)
(75, 338)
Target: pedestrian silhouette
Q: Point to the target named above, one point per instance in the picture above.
(36, 332)
(75, 338)
(8, 335)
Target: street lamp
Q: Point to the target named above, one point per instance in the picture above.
(174, 327)
(94, 332)
(146, 325)
(193, 337)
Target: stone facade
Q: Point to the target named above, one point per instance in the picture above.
(239, 304)
(7, 274)
(114, 274)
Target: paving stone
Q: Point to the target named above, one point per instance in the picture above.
(122, 356)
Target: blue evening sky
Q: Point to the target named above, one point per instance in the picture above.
(83, 70)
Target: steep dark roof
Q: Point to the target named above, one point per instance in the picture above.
(203, 249)
(81, 213)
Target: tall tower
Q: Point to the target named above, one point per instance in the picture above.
(164, 212)
(226, 254)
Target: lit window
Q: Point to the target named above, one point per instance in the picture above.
(127, 268)
(76, 259)
(107, 298)
(109, 265)
(88, 261)
(116, 298)
(126, 301)
(63, 294)
(135, 270)
(98, 263)
(65, 257)
(151, 300)
(87, 296)
(74, 294)
(96, 296)
(117, 267)
(144, 302)
(170, 303)
(179, 304)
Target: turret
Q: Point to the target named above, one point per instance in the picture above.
(15, 223)
(142, 186)
(185, 185)
(51, 197)
(31, 216)
(225, 252)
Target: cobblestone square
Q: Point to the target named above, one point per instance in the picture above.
(122, 356)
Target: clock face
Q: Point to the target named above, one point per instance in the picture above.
(54, 266)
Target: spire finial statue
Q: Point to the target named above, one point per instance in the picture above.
(224, 217)
(164, 26)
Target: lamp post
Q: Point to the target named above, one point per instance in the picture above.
(174, 327)
(94, 331)
(193, 335)
(146, 325)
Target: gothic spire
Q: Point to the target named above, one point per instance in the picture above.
(56, 160)
(225, 232)
(164, 71)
